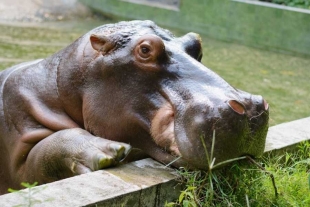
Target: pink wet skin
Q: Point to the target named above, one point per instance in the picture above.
(162, 130)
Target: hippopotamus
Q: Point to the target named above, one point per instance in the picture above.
(121, 86)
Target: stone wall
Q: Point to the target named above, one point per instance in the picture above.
(250, 22)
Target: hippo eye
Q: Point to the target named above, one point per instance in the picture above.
(145, 50)
(149, 52)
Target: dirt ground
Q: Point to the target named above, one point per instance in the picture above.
(41, 10)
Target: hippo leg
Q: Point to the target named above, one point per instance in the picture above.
(71, 152)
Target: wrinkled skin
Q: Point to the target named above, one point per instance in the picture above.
(121, 85)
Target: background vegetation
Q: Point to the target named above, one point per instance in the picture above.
(244, 184)
(295, 3)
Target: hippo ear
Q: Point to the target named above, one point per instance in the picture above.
(192, 45)
(101, 43)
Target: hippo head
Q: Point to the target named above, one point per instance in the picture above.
(146, 87)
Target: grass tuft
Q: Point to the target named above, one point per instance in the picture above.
(242, 184)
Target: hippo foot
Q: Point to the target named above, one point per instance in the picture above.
(89, 153)
(104, 160)
(97, 154)
(72, 152)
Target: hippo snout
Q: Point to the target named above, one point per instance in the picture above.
(240, 128)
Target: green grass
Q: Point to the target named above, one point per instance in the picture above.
(277, 180)
(240, 182)
(24, 42)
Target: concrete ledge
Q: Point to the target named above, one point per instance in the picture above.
(140, 183)
(287, 134)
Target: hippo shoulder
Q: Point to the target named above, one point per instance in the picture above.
(6, 73)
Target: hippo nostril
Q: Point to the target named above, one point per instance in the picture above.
(236, 107)
(266, 105)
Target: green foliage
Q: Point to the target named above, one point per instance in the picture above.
(242, 184)
(295, 3)
(25, 185)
